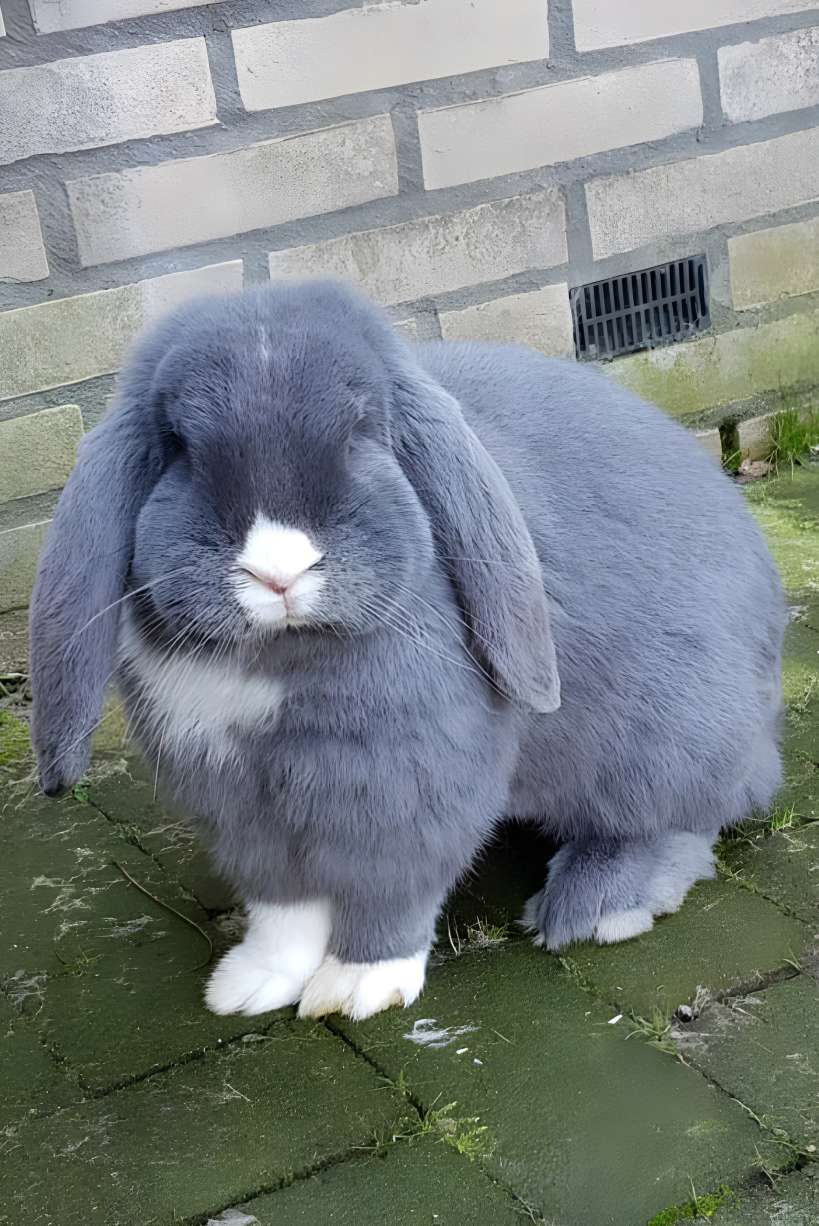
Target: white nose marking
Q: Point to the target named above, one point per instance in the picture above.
(277, 554)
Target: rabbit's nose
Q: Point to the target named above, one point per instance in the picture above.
(276, 555)
(279, 584)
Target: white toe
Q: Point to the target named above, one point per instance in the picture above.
(616, 926)
(360, 989)
(241, 985)
(282, 948)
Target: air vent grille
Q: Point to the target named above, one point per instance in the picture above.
(639, 310)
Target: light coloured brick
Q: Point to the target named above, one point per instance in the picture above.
(69, 339)
(631, 210)
(605, 23)
(71, 14)
(755, 437)
(103, 99)
(694, 376)
(381, 45)
(770, 76)
(38, 451)
(436, 254)
(19, 551)
(138, 211)
(775, 263)
(22, 254)
(557, 123)
(541, 319)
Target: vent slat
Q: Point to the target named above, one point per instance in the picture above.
(641, 309)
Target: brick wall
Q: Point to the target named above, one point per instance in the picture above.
(466, 161)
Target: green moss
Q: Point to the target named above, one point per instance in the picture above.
(14, 739)
(787, 510)
(699, 1208)
(760, 364)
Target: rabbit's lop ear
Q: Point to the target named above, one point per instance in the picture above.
(81, 577)
(482, 540)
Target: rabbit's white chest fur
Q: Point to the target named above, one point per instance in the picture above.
(196, 702)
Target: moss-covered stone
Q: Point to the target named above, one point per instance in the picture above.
(783, 865)
(110, 976)
(174, 842)
(764, 1050)
(419, 1180)
(15, 745)
(585, 1122)
(788, 512)
(207, 1134)
(722, 937)
(692, 380)
(792, 1201)
(32, 1080)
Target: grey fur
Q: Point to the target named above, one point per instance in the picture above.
(422, 706)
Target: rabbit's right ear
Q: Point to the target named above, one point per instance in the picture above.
(482, 538)
(82, 574)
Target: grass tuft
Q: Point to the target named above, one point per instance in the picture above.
(791, 437)
(699, 1208)
(465, 1134)
(656, 1030)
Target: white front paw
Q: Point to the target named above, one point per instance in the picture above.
(241, 984)
(282, 948)
(360, 989)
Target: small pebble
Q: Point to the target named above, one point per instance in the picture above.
(461, 1051)
(475, 1060)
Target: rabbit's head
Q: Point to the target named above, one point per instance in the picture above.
(275, 462)
(279, 502)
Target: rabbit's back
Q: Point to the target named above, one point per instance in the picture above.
(667, 609)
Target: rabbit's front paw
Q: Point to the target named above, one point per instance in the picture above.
(282, 948)
(243, 984)
(360, 989)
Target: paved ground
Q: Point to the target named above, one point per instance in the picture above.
(521, 1088)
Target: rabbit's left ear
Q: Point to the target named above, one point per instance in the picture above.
(482, 539)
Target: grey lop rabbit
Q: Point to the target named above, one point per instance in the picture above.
(363, 599)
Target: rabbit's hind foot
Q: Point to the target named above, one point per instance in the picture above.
(612, 891)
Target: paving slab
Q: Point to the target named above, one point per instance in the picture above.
(794, 1201)
(32, 1081)
(722, 937)
(56, 877)
(800, 679)
(763, 1048)
(788, 511)
(525, 1073)
(210, 1133)
(415, 1182)
(129, 800)
(784, 866)
(111, 978)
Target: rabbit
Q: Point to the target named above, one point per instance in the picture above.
(364, 600)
